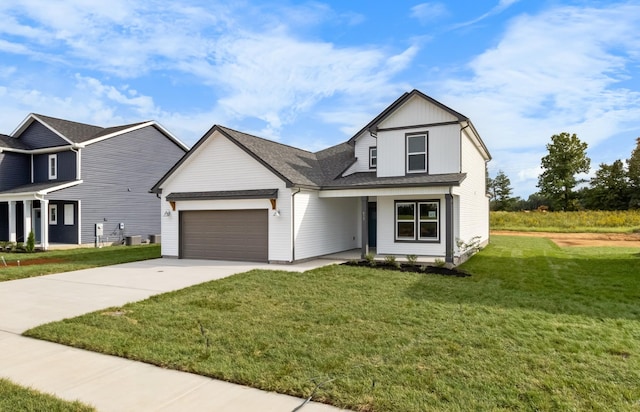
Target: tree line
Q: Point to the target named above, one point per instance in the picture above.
(614, 186)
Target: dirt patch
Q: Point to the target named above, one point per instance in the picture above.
(581, 239)
(30, 262)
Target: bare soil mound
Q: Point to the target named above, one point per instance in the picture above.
(581, 239)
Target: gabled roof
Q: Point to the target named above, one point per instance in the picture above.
(296, 167)
(83, 134)
(372, 126)
(11, 143)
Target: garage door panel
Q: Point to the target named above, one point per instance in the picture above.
(225, 234)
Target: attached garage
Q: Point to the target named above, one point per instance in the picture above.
(225, 234)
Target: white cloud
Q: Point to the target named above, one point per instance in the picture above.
(499, 8)
(560, 70)
(428, 12)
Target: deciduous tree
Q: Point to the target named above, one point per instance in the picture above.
(633, 174)
(566, 158)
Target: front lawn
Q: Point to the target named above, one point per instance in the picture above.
(536, 327)
(24, 265)
(18, 398)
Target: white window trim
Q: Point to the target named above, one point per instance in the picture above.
(406, 221)
(52, 171)
(68, 214)
(436, 221)
(372, 157)
(416, 221)
(53, 214)
(409, 154)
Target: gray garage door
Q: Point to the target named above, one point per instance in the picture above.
(225, 235)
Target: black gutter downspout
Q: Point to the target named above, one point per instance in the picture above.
(448, 200)
(293, 225)
(364, 206)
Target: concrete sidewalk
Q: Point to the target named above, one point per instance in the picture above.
(110, 383)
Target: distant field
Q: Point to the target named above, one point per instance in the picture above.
(589, 221)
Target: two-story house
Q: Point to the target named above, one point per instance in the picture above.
(60, 178)
(411, 182)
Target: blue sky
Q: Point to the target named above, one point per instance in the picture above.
(310, 74)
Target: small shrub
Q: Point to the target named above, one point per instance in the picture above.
(20, 246)
(31, 242)
(440, 262)
(412, 259)
(369, 257)
(391, 261)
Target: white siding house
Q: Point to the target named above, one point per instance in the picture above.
(411, 182)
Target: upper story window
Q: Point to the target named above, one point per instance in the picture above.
(373, 157)
(416, 153)
(53, 166)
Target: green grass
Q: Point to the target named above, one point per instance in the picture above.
(536, 327)
(591, 221)
(18, 398)
(73, 259)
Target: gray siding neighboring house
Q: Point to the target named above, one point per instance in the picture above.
(59, 178)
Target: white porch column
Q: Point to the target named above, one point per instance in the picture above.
(12, 221)
(28, 227)
(44, 224)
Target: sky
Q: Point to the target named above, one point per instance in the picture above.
(311, 74)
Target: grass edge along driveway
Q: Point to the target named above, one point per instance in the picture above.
(58, 261)
(18, 398)
(536, 327)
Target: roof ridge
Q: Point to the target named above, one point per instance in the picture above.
(266, 140)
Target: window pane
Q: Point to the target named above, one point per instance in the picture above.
(428, 211)
(416, 162)
(428, 230)
(416, 144)
(405, 211)
(68, 214)
(406, 230)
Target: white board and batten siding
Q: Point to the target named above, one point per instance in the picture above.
(417, 111)
(325, 225)
(472, 201)
(232, 169)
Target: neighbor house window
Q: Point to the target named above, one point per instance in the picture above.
(68, 214)
(416, 153)
(418, 221)
(373, 157)
(53, 214)
(53, 166)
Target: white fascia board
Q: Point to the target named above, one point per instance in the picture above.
(389, 191)
(37, 194)
(30, 119)
(137, 127)
(54, 149)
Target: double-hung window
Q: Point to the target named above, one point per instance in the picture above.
(418, 221)
(373, 157)
(52, 166)
(416, 153)
(53, 214)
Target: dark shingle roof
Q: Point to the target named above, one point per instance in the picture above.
(225, 194)
(37, 187)
(74, 131)
(369, 179)
(12, 143)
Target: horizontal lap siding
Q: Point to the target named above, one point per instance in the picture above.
(38, 136)
(325, 225)
(117, 174)
(220, 165)
(66, 167)
(15, 170)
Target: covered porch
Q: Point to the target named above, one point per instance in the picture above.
(27, 209)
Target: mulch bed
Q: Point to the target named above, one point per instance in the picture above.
(405, 267)
(30, 262)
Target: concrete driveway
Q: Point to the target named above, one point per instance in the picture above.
(110, 383)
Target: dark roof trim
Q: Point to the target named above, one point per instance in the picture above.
(224, 195)
(417, 126)
(288, 182)
(373, 125)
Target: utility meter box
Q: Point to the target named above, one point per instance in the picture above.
(99, 229)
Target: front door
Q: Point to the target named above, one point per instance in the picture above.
(373, 224)
(37, 221)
